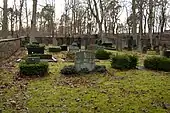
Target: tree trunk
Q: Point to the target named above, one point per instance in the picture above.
(140, 26)
(134, 28)
(20, 16)
(150, 22)
(33, 21)
(26, 14)
(5, 20)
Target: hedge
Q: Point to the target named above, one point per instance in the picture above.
(54, 49)
(31, 69)
(157, 63)
(102, 54)
(69, 70)
(124, 62)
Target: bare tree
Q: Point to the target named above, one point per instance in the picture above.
(150, 22)
(98, 12)
(5, 20)
(134, 19)
(20, 16)
(33, 21)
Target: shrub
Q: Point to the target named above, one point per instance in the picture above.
(157, 63)
(102, 54)
(30, 69)
(100, 69)
(151, 52)
(24, 43)
(133, 61)
(123, 62)
(84, 71)
(69, 70)
(54, 49)
(42, 56)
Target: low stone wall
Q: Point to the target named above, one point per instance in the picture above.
(63, 40)
(8, 47)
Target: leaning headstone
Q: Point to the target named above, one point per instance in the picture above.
(85, 60)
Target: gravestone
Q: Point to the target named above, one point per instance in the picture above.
(55, 42)
(33, 60)
(85, 59)
(73, 49)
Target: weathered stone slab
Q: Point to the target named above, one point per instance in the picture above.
(85, 59)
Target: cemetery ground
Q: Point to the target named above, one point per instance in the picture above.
(133, 91)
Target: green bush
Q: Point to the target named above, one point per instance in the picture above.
(69, 70)
(133, 61)
(124, 62)
(54, 49)
(100, 69)
(102, 54)
(42, 56)
(157, 63)
(24, 43)
(31, 69)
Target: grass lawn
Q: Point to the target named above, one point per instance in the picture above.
(133, 91)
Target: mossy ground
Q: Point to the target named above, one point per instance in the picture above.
(133, 91)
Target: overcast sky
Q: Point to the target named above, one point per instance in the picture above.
(59, 7)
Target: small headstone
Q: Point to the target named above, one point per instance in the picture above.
(85, 59)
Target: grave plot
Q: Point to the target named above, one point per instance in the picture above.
(84, 64)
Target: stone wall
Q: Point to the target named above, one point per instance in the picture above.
(63, 40)
(8, 47)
